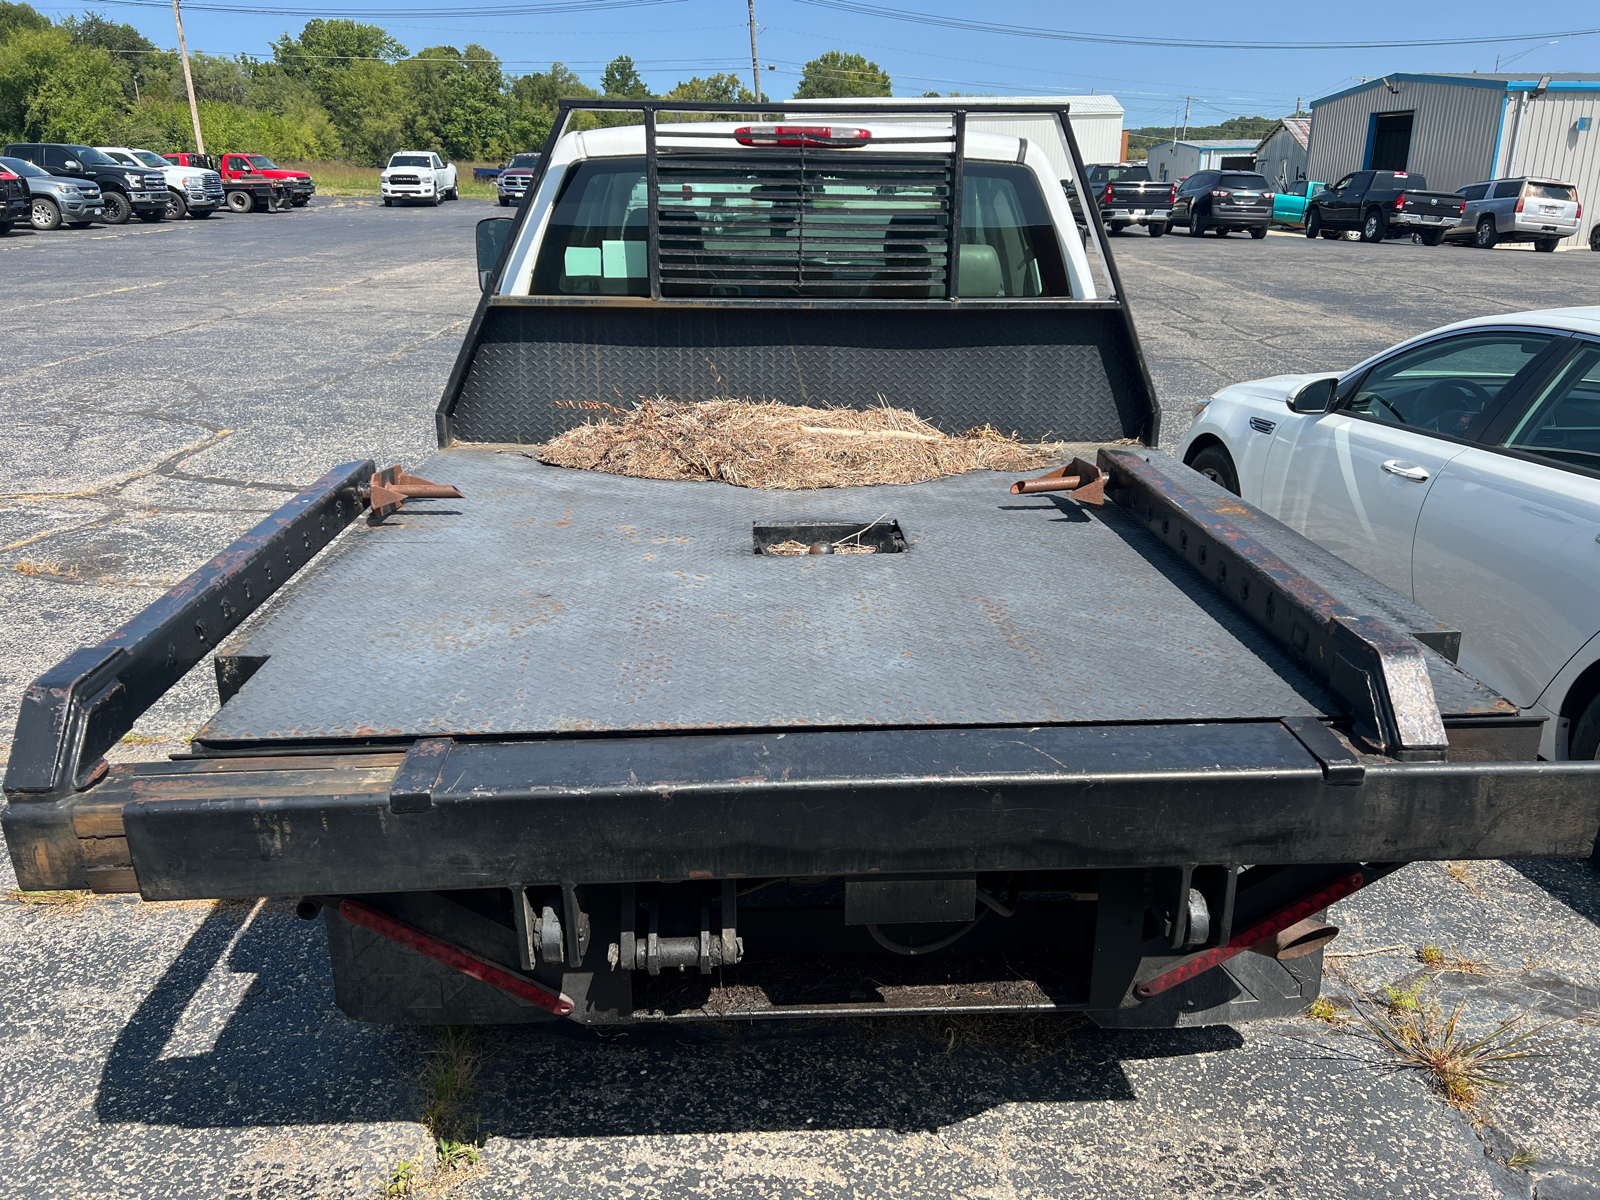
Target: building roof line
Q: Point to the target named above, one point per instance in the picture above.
(1498, 83)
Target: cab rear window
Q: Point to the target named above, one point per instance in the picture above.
(763, 227)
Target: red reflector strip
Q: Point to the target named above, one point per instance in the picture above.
(801, 135)
(453, 956)
(1259, 932)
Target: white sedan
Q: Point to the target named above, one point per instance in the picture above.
(1461, 468)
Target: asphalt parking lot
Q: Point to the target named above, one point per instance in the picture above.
(164, 386)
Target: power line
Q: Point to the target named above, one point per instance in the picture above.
(1062, 35)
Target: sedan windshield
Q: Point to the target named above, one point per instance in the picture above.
(261, 162)
(410, 160)
(24, 168)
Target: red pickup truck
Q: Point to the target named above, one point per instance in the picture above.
(236, 166)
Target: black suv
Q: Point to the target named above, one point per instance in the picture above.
(14, 204)
(127, 191)
(1223, 201)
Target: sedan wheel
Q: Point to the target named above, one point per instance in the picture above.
(44, 215)
(1216, 464)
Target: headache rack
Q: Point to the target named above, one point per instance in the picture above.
(870, 293)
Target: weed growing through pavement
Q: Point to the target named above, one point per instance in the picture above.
(448, 1082)
(1434, 956)
(1461, 1068)
(1406, 1001)
(403, 1181)
(1524, 1157)
(1463, 874)
(1325, 1010)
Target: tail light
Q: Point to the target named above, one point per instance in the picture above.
(1577, 217)
(1519, 203)
(1399, 202)
(801, 135)
(1221, 193)
(8, 175)
(1107, 200)
(1173, 199)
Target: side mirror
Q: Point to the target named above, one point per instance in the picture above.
(1315, 396)
(72, 164)
(493, 233)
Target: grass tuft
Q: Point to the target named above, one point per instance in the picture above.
(1430, 955)
(1463, 874)
(1460, 1068)
(402, 1181)
(1524, 1157)
(448, 1082)
(1325, 1010)
(1407, 1001)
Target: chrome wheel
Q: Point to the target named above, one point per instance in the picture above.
(44, 215)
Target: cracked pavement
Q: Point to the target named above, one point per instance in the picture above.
(165, 386)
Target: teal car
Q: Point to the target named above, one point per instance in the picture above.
(1289, 205)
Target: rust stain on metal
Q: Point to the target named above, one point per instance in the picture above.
(1083, 480)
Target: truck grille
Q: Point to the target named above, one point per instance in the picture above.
(772, 223)
(404, 180)
(155, 182)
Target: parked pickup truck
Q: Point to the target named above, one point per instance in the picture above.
(1384, 204)
(15, 204)
(418, 175)
(191, 191)
(1289, 204)
(512, 182)
(573, 744)
(244, 190)
(124, 191)
(1125, 195)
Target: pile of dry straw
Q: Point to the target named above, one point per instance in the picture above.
(768, 445)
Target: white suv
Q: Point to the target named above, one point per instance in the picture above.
(418, 175)
(190, 191)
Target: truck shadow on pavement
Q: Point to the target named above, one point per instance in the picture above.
(205, 1049)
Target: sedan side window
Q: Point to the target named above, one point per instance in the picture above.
(1443, 386)
(1563, 424)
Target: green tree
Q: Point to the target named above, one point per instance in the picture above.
(839, 74)
(724, 88)
(92, 29)
(19, 16)
(372, 108)
(324, 47)
(621, 81)
(51, 90)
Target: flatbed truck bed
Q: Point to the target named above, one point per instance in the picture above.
(573, 745)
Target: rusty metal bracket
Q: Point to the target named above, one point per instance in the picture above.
(388, 489)
(1084, 481)
(76, 711)
(1374, 670)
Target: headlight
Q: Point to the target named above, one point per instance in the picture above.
(69, 190)
(136, 181)
(1200, 406)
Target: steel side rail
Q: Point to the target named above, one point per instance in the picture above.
(1376, 671)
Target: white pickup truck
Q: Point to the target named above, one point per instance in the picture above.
(418, 175)
(191, 191)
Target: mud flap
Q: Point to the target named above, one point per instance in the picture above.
(1248, 987)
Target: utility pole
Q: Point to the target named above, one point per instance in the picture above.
(188, 80)
(1186, 101)
(755, 63)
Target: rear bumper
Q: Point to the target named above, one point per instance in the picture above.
(607, 810)
(1405, 220)
(1135, 216)
(1234, 218)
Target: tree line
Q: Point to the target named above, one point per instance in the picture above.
(339, 89)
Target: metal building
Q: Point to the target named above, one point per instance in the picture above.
(1281, 155)
(1172, 161)
(1461, 129)
(1096, 121)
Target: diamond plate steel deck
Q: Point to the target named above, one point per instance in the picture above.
(559, 600)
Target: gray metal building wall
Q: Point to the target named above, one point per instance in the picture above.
(1452, 137)
(1281, 158)
(1551, 145)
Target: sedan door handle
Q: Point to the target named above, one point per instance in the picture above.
(1405, 470)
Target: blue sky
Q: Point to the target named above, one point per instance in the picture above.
(676, 39)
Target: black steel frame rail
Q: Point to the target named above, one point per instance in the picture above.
(76, 711)
(1375, 671)
(957, 112)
